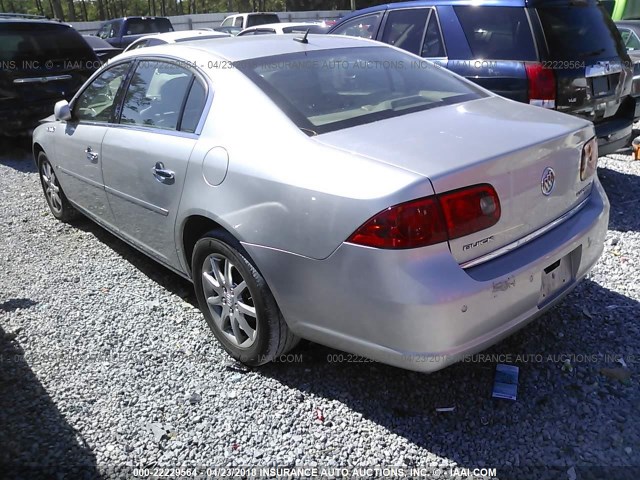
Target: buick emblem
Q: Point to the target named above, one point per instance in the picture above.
(548, 181)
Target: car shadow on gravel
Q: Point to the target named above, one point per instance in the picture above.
(16, 153)
(567, 412)
(161, 275)
(623, 191)
(35, 439)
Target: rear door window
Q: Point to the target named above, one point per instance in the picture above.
(365, 26)
(579, 32)
(497, 33)
(433, 47)
(405, 28)
(155, 95)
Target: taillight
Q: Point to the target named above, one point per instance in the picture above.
(470, 210)
(542, 85)
(431, 220)
(589, 161)
(409, 225)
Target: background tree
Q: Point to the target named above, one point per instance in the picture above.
(92, 10)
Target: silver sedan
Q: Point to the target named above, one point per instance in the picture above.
(333, 189)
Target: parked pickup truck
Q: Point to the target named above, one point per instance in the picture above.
(120, 32)
(246, 20)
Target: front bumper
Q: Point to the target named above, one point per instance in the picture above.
(418, 309)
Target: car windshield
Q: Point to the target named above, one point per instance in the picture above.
(579, 32)
(328, 90)
(40, 43)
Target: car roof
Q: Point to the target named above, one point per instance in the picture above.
(236, 49)
(47, 21)
(281, 25)
(182, 34)
(480, 3)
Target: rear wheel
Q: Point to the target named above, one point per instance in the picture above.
(58, 203)
(237, 303)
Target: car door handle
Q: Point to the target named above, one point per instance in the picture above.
(162, 174)
(91, 155)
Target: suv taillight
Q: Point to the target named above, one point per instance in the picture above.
(542, 85)
(431, 220)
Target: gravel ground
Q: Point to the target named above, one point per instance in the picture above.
(106, 362)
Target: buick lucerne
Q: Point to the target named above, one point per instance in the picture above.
(334, 189)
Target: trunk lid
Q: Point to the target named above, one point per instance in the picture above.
(506, 144)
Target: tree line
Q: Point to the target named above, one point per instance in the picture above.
(89, 10)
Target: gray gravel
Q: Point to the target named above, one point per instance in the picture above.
(105, 362)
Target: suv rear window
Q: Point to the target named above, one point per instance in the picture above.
(578, 32)
(262, 19)
(139, 26)
(42, 42)
(326, 90)
(497, 33)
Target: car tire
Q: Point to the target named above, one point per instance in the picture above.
(236, 301)
(56, 199)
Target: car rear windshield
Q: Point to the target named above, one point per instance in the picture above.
(263, 19)
(328, 90)
(139, 26)
(36, 43)
(579, 32)
(497, 33)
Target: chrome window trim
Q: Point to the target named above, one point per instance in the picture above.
(142, 128)
(526, 239)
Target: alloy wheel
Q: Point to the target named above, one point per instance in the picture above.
(229, 300)
(51, 187)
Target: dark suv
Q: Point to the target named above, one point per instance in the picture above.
(560, 54)
(121, 32)
(41, 62)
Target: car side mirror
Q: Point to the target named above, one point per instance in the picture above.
(62, 111)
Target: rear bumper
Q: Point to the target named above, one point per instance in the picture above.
(418, 309)
(613, 134)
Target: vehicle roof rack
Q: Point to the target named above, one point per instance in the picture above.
(24, 15)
